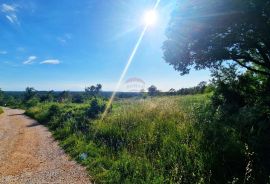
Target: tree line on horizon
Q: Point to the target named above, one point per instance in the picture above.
(31, 96)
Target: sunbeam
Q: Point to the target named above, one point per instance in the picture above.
(128, 64)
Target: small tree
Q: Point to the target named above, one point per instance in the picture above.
(93, 90)
(47, 97)
(98, 88)
(29, 93)
(65, 96)
(201, 86)
(152, 90)
(172, 91)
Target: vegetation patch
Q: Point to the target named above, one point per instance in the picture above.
(1, 110)
(140, 141)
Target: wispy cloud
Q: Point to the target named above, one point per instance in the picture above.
(64, 39)
(30, 60)
(10, 13)
(12, 18)
(8, 8)
(51, 62)
(3, 52)
(20, 49)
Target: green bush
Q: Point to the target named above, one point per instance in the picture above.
(1, 110)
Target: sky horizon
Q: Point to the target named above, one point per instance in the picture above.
(68, 45)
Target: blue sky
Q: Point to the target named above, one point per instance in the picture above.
(68, 45)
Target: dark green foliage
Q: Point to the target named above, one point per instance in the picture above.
(2, 95)
(235, 126)
(77, 98)
(153, 91)
(1, 110)
(93, 90)
(203, 34)
(47, 97)
(97, 106)
(30, 97)
(30, 93)
(242, 104)
(11, 101)
(64, 97)
(201, 88)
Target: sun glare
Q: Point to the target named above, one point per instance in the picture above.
(150, 17)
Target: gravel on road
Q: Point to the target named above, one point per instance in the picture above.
(29, 154)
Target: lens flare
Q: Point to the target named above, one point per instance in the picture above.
(150, 17)
(130, 59)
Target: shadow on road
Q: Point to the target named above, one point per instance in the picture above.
(19, 114)
(33, 124)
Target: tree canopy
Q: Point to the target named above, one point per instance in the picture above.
(29, 93)
(93, 90)
(152, 90)
(204, 34)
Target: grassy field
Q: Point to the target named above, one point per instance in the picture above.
(140, 141)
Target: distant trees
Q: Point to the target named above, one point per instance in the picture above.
(1, 96)
(30, 97)
(93, 90)
(65, 96)
(29, 93)
(204, 34)
(9, 100)
(202, 87)
(152, 90)
(47, 97)
(172, 91)
(77, 98)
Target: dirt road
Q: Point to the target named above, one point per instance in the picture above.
(29, 154)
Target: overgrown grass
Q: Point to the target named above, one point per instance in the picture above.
(1, 110)
(157, 140)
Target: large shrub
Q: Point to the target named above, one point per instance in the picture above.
(241, 103)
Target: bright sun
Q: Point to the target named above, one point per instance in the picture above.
(150, 17)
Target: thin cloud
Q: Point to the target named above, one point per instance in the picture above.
(10, 13)
(20, 49)
(51, 62)
(3, 52)
(8, 8)
(64, 39)
(30, 60)
(12, 18)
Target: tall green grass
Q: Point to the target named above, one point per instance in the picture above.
(1, 110)
(156, 140)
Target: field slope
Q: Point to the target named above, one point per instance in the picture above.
(153, 140)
